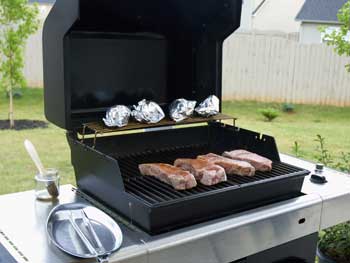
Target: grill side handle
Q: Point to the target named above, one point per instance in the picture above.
(93, 169)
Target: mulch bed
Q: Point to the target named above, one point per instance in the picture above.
(23, 124)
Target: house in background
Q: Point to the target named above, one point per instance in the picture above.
(276, 15)
(317, 13)
(270, 15)
(246, 16)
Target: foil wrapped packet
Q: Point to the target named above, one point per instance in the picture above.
(181, 109)
(148, 112)
(209, 107)
(117, 116)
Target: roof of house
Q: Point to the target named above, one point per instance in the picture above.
(320, 11)
(50, 2)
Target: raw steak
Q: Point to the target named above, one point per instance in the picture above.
(260, 163)
(169, 174)
(205, 172)
(231, 166)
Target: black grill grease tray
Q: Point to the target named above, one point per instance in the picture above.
(110, 174)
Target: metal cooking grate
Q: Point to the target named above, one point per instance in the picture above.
(154, 191)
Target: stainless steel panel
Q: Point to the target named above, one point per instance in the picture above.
(23, 221)
(241, 235)
(336, 209)
(335, 194)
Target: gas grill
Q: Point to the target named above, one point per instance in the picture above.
(99, 53)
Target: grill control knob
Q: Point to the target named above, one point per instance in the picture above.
(318, 177)
(319, 167)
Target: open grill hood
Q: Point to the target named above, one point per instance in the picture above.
(98, 53)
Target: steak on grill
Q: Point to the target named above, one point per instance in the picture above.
(205, 172)
(169, 174)
(259, 162)
(231, 166)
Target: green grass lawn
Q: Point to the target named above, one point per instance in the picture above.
(333, 123)
(17, 170)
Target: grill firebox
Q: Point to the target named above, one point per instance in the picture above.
(110, 173)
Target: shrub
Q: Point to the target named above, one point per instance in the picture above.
(344, 163)
(322, 154)
(335, 242)
(288, 107)
(269, 113)
(338, 38)
(296, 149)
(16, 94)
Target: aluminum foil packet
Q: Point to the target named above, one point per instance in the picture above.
(148, 112)
(181, 109)
(117, 116)
(209, 107)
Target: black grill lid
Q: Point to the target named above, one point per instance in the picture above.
(98, 53)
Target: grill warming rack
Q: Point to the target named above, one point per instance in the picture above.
(98, 128)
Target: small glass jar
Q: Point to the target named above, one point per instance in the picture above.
(47, 187)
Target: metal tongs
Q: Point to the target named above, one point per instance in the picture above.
(96, 248)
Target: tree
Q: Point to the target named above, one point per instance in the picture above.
(18, 20)
(340, 39)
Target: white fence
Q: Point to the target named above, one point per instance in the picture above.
(275, 67)
(258, 66)
(33, 69)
